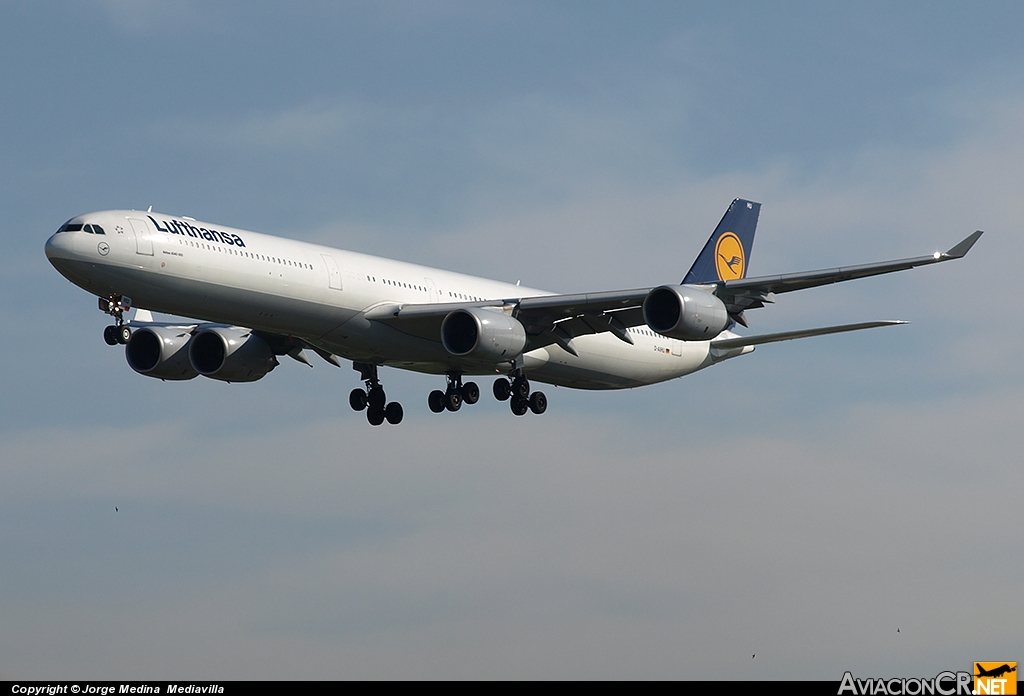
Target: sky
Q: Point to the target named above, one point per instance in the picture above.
(799, 504)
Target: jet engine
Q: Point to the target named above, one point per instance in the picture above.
(230, 354)
(159, 351)
(482, 333)
(686, 313)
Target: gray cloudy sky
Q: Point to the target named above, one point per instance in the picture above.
(800, 503)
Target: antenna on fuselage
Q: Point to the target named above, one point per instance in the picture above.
(150, 209)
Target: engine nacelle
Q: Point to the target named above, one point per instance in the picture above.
(482, 333)
(230, 354)
(686, 313)
(161, 352)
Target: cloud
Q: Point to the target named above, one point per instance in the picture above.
(311, 126)
(567, 546)
(149, 17)
(138, 16)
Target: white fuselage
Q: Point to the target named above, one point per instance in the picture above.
(213, 273)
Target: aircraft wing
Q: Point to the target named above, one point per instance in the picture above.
(547, 318)
(558, 318)
(749, 293)
(279, 344)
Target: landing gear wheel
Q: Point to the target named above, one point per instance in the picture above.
(124, 334)
(453, 400)
(436, 401)
(375, 416)
(357, 399)
(521, 387)
(520, 405)
(376, 398)
(538, 403)
(393, 412)
(470, 393)
(502, 389)
(110, 335)
(373, 399)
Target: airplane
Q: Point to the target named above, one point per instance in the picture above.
(253, 298)
(995, 672)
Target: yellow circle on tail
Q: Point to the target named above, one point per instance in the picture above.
(730, 261)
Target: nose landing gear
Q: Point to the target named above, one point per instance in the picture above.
(116, 306)
(373, 399)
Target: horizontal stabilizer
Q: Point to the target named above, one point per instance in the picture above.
(742, 341)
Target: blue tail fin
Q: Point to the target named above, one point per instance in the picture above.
(727, 253)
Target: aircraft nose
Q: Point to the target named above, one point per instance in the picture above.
(60, 246)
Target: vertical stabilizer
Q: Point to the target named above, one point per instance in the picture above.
(727, 252)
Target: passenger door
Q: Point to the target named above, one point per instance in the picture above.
(333, 272)
(143, 241)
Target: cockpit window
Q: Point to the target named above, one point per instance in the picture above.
(79, 227)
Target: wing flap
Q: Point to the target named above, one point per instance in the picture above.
(540, 313)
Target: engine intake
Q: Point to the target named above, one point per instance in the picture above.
(158, 351)
(230, 354)
(686, 313)
(482, 333)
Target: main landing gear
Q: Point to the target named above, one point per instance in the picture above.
(517, 391)
(372, 399)
(116, 306)
(455, 395)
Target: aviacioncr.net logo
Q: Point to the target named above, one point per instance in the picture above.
(995, 678)
(943, 684)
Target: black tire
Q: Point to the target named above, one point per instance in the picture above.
(520, 405)
(538, 402)
(376, 398)
(393, 413)
(470, 393)
(357, 399)
(375, 416)
(110, 335)
(124, 334)
(453, 400)
(502, 389)
(435, 400)
(521, 387)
